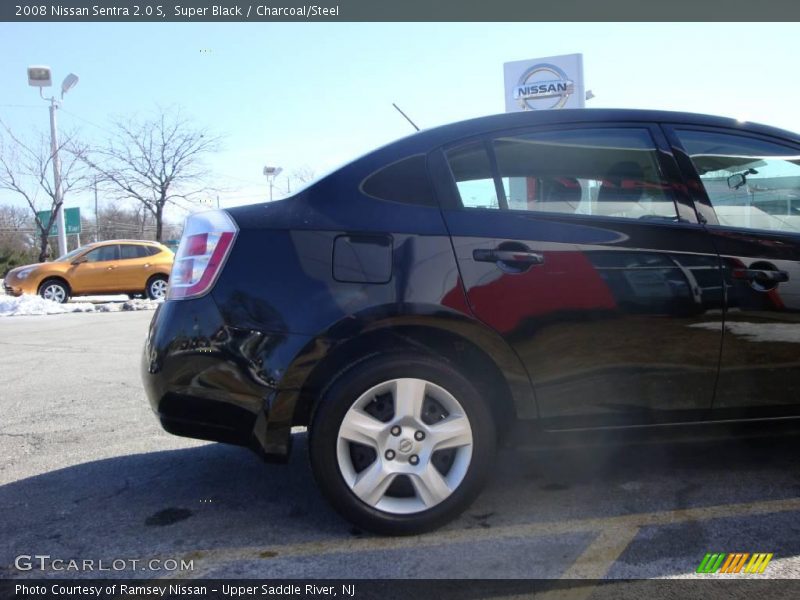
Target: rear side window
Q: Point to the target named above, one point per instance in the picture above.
(403, 181)
(751, 183)
(132, 251)
(151, 250)
(599, 171)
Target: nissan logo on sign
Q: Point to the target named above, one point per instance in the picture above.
(543, 86)
(544, 83)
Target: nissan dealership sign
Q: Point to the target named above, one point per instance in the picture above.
(544, 83)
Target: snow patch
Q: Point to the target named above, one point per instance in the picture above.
(11, 306)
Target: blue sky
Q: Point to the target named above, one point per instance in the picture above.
(317, 95)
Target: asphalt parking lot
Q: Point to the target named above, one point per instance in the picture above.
(87, 473)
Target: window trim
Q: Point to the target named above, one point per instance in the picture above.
(695, 183)
(666, 162)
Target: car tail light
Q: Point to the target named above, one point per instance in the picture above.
(207, 240)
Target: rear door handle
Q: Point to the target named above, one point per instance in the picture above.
(508, 256)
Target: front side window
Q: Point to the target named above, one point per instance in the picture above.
(751, 183)
(603, 172)
(103, 253)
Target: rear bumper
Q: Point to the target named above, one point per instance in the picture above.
(208, 380)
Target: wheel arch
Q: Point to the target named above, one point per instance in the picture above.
(53, 277)
(159, 275)
(470, 346)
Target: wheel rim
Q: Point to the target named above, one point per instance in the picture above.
(404, 446)
(54, 292)
(158, 288)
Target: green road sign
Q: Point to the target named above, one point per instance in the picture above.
(72, 220)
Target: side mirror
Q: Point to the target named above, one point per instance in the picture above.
(736, 181)
(79, 261)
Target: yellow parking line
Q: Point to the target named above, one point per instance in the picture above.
(620, 526)
(601, 554)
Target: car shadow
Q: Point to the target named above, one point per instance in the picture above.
(187, 502)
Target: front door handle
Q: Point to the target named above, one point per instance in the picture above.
(511, 260)
(508, 256)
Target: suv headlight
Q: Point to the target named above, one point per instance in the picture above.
(24, 273)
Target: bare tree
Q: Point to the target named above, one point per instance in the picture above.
(118, 221)
(304, 174)
(17, 237)
(154, 161)
(16, 229)
(26, 170)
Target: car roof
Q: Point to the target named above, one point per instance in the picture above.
(481, 125)
(110, 242)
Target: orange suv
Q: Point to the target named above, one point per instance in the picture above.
(111, 267)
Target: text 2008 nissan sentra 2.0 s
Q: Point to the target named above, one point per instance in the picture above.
(580, 268)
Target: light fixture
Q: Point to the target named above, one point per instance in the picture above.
(70, 81)
(40, 76)
(272, 171)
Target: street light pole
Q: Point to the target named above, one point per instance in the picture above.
(271, 173)
(96, 214)
(41, 77)
(59, 208)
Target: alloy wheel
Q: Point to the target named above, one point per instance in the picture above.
(54, 292)
(404, 446)
(158, 289)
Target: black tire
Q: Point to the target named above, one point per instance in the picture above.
(150, 292)
(335, 403)
(54, 289)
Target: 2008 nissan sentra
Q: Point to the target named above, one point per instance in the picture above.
(582, 269)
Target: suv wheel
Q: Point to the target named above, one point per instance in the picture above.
(401, 444)
(157, 287)
(54, 290)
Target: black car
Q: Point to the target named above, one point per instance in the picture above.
(584, 269)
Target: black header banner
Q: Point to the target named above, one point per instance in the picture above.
(396, 10)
